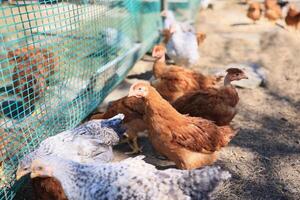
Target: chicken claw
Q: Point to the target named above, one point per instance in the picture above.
(132, 141)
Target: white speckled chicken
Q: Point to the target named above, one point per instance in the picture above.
(89, 142)
(126, 180)
(182, 47)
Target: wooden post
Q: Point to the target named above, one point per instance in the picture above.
(164, 4)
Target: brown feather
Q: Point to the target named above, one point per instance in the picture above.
(48, 189)
(177, 136)
(217, 105)
(173, 81)
(178, 81)
(293, 17)
(254, 11)
(133, 109)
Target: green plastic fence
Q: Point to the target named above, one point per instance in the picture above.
(59, 60)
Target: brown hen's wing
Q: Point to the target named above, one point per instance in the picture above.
(131, 107)
(199, 103)
(175, 83)
(197, 135)
(227, 133)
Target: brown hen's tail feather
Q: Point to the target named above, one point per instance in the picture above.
(228, 133)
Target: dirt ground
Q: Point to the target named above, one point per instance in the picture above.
(264, 158)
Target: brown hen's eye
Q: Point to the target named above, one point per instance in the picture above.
(40, 168)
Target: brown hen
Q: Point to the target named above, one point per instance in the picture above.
(174, 81)
(218, 105)
(133, 109)
(190, 142)
(293, 17)
(273, 10)
(254, 11)
(32, 68)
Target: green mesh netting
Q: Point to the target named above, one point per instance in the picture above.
(184, 9)
(59, 60)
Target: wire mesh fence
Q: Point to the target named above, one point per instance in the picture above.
(59, 59)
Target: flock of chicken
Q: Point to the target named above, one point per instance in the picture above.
(187, 117)
(273, 12)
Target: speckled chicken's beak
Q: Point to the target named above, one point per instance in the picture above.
(20, 173)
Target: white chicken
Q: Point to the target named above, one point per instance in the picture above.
(182, 47)
(169, 19)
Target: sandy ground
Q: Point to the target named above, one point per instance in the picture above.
(264, 157)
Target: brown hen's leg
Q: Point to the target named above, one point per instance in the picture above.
(133, 143)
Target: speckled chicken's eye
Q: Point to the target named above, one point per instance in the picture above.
(40, 168)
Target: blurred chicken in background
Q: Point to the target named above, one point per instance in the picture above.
(254, 11)
(272, 10)
(182, 47)
(293, 17)
(169, 19)
(206, 4)
(32, 70)
(110, 43)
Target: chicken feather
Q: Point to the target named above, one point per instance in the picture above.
(131, 178)
(188, 141)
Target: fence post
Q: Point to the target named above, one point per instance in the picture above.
(164, 4)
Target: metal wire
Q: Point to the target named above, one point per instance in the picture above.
(59, 60)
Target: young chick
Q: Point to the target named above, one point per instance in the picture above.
(174, 81)
(87, 143)
(218, 105)
(190, 142)
(254, 11)
(133, 109)
(293, 17)
(111, 42)
(131, 178)
(182, 47)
